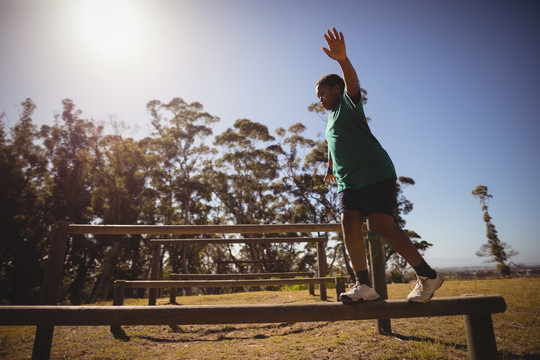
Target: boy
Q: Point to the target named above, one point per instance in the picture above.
(366, 179)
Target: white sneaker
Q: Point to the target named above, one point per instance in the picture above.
(425, 288)
(358, 292)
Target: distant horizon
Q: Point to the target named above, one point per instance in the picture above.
(485, 266)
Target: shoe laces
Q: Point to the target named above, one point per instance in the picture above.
(421, 283)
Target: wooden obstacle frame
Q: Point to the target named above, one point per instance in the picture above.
(121, 285)
(156, 252)
(476, 310)
(62, 230)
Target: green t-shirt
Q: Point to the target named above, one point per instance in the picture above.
(358, 158)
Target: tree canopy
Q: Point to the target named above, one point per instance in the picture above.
(182, 173)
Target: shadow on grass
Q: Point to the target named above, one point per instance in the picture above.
(197, 335)
(505, 355)
(508, 356)
(119, 333)
(427, 339)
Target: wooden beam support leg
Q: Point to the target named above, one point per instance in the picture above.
(43, 342)
(321, 260)
(154, 273)
(172, 295)
(480, 337)
(340, 286)
(378, 274)
(118, 300)
(51, 287)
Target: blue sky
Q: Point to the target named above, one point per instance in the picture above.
(452, 87)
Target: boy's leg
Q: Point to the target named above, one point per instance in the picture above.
(383, 224)
(351, 224)
(427, 279)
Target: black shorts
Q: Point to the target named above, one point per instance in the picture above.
(376, 198)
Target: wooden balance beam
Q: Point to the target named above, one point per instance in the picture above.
(476, 309)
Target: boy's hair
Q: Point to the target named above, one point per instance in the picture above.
(331, 80)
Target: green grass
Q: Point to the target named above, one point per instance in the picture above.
(517, 332)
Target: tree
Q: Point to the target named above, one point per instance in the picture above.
(117, 198)
(72, 145)
(24, 192)
(494, 249)
(181, 146)
(181, 137)
(304, 195)
(242, 183)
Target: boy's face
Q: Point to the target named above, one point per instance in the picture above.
(329, 96)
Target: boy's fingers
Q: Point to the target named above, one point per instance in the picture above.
(327, 38)
(330, 35)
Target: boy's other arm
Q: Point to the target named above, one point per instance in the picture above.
(331, 178)
(336, 50)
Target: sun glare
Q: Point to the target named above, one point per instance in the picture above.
(110, 29)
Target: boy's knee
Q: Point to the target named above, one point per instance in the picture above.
(382, 226)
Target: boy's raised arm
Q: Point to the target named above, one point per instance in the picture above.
(336, 50)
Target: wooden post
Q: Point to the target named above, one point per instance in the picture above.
(311, 287)
(378, 274)
(321, 260)
(172, 295)
(480, 337)
(154, 272)
(340, 286)
(51, 287)
(118, 300)
(119, 292)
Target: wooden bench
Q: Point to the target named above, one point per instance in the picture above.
(279, 275)
(476, 309)
(121, 285)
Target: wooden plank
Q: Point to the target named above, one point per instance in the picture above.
(240, 314)
(237, 241)
(240, 276)
(202, 229)
(225, 283)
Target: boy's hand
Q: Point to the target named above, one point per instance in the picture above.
(336, 45)
(330, 178)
